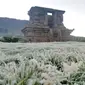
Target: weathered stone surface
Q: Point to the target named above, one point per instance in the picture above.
(46, 28)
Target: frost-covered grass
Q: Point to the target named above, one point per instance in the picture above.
(57, 63)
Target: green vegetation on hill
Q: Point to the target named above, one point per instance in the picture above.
(10, 39)
(11, 26)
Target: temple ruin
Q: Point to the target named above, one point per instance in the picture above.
(46, 25)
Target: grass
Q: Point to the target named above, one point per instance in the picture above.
(59, 63)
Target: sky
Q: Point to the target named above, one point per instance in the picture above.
(74, 17)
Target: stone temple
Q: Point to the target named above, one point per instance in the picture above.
(46, 25)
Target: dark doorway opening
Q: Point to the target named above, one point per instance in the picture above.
(50, 19)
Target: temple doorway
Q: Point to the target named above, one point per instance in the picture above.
(50, 19)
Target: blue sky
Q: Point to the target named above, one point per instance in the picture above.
(74, 16)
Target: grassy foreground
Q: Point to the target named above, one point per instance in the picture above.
(57, 63)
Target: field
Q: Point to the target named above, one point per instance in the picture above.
(57, 63)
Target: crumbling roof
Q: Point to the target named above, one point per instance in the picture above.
(34, 8)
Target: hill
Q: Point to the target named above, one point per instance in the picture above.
(11, 26)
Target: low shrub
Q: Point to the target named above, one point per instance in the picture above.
(9, 39)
